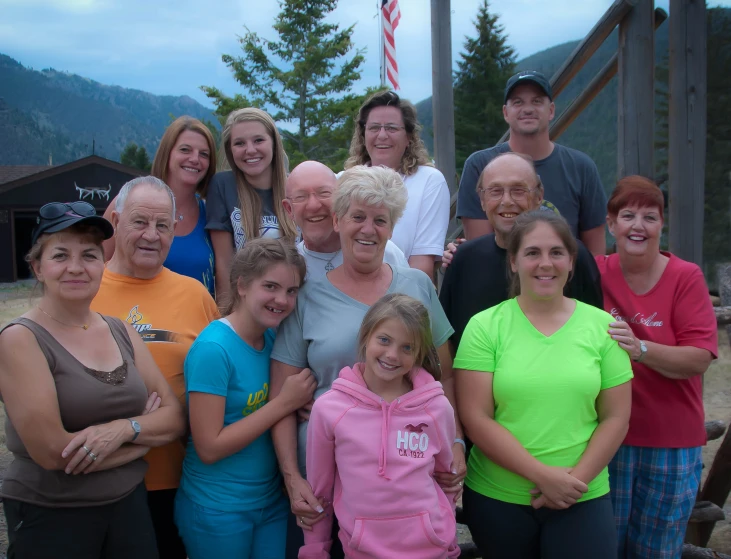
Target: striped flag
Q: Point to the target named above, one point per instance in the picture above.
(390, 17)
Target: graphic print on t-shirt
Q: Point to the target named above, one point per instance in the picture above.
(145, 330)
(268, 228)
(256, 400)
(638, 318)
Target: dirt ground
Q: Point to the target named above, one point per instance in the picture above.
(15, 300)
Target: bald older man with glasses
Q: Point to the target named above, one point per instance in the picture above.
(309, 192)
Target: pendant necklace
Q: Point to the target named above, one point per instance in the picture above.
(82, 326)
(329, 266)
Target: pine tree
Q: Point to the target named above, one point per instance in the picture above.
(303, 79)
(135, 156)
(487, 63)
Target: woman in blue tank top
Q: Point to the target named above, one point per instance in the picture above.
(186, 162)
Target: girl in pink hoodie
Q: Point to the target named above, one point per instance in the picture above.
(375, 440)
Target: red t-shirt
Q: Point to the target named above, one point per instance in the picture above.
(666, 413)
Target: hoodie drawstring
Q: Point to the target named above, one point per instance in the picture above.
(385, 429)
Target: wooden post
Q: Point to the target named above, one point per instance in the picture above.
(636, 92)
(687, 127)
(603, 77)
(442, 91)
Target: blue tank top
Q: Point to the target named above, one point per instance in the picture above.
(192, 254)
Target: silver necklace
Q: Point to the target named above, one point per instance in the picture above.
(329, 266)
(323, 256)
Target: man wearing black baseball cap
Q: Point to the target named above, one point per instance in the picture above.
(570, 178)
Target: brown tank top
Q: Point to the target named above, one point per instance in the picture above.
(85, 397)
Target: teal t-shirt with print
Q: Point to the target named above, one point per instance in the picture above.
(544, 387)
(221, 363)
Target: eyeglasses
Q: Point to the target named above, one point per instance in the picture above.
(54, 210)
(497, 192)
(389, 128)
(302, 198)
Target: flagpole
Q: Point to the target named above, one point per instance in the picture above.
(381, 43)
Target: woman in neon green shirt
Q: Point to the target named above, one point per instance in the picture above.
(544, 394)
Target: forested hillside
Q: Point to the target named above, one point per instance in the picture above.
(49, 113)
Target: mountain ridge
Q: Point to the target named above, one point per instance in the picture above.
(67, 116)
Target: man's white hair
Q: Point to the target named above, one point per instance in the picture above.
(156, 183)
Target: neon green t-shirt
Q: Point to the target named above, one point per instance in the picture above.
(545, 389)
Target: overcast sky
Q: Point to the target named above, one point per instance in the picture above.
(175, 46)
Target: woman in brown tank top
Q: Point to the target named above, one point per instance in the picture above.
(84, 403)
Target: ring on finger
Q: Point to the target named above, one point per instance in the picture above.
(93, 456)
(302, 520)
(87, 449)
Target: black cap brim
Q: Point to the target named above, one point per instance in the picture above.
(541, 84)
(94, 220)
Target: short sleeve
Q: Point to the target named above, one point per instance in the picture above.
(693, 319)
(476, 350)
(593, 211)
(468, 201)
(207, 369)
(441, 328)
(431, 228)
(616, 367)
(290, 346)
(217, 218)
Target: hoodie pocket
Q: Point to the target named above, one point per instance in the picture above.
(377, 536)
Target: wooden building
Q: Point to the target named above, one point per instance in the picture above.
(24, 189)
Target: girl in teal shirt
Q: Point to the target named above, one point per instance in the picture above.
(543, 392)
(230, 502)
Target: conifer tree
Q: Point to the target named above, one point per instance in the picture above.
(303, 78)
(486, 64)
(135, 156)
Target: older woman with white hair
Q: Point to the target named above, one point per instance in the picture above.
(322, 332)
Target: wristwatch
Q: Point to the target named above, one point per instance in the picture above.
(136, 427)
(643, 351)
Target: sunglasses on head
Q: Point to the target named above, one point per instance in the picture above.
(54, 210)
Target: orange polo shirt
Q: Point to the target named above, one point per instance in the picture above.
(168, 311)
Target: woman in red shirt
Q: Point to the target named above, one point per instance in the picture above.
(665, 321)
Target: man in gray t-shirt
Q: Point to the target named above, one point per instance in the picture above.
(570, 178)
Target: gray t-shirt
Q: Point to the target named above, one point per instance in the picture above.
(570, 180)
(322, 332)
(320, 263)
(223, 212)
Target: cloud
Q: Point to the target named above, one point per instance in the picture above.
(71, 6)
(174, 46)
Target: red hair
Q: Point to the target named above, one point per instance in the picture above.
(636, 191)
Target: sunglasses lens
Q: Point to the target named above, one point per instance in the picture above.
(53, 210)
(82, 208)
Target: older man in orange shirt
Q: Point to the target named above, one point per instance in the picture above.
(167, 309)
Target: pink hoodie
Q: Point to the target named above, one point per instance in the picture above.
(374, 462)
